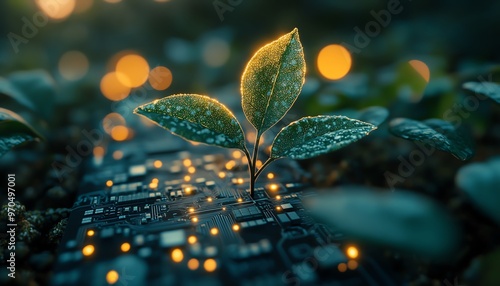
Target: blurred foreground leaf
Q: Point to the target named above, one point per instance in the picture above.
(14, 131)
(481, 181)
(7, 89)
(196, 117)
(401, 220)
(435, 132)
(375, 115)
(312, 136)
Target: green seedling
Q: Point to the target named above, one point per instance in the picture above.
(270, 84)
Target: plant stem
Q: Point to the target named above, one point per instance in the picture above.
(251, 169)
(253, 164)
(269, 161)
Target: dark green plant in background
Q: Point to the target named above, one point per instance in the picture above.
(270, 84)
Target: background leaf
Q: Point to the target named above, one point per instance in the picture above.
(400, 220)
(480, 182)
(312, 136)
(490, 89)
(7, 89)
(39, 87)
(435, 132)
(272, 81)
(14, 131)
(196, 117)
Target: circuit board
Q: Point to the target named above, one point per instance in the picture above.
(164, 212)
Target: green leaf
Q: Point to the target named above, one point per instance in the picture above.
(272, 81)
(197, 118)
(14, 131)
(480, 182)
(402, 220)
(436, 132)
(312, 136)
(490, 89)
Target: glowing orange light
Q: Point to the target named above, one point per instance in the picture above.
(125, 247)
(192, 239)
(209, 199)
(193, 264)
(112, 277)
(112, 88)
(222, 175)
(334, 62)
(191, 170)
(352, 252)
(56, 9)
(194, 219)
(117, 155)
(187, 178)
(160, 78)
(240, 200)
(230, 164)
(240, 181)
(237, 154)
(109, 183)
(188, 190)
(270, 176)
(186, 162)
(153, 186)
(88, 250)
(177, 255)
(236, 227)
(155, 181)
(214, 231)
(111, 120)
(98, 151)
(278, 197)
(210, 265)
(119, 133)
(342, 267)
(157, 164)
(352, 264)
(421, 68)
(132, 70)
(273, 187)
(278, 208)
(73, 65)
(90, 232)
(258, 164)
(191, 210)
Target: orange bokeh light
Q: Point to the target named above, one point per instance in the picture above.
(421, 68)
(334, 62)
(119, 133)
(160, 78)
(132, 70)
(111, 120)
(112, 88)
(56, 9)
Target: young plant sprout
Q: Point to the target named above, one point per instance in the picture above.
(270, 84)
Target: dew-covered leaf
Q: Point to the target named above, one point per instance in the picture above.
(197, 118)
(490, 89)
(312, 136)
(480, 182)
(14, 131)
(402, 220)
(436, 132)
(272, 81)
